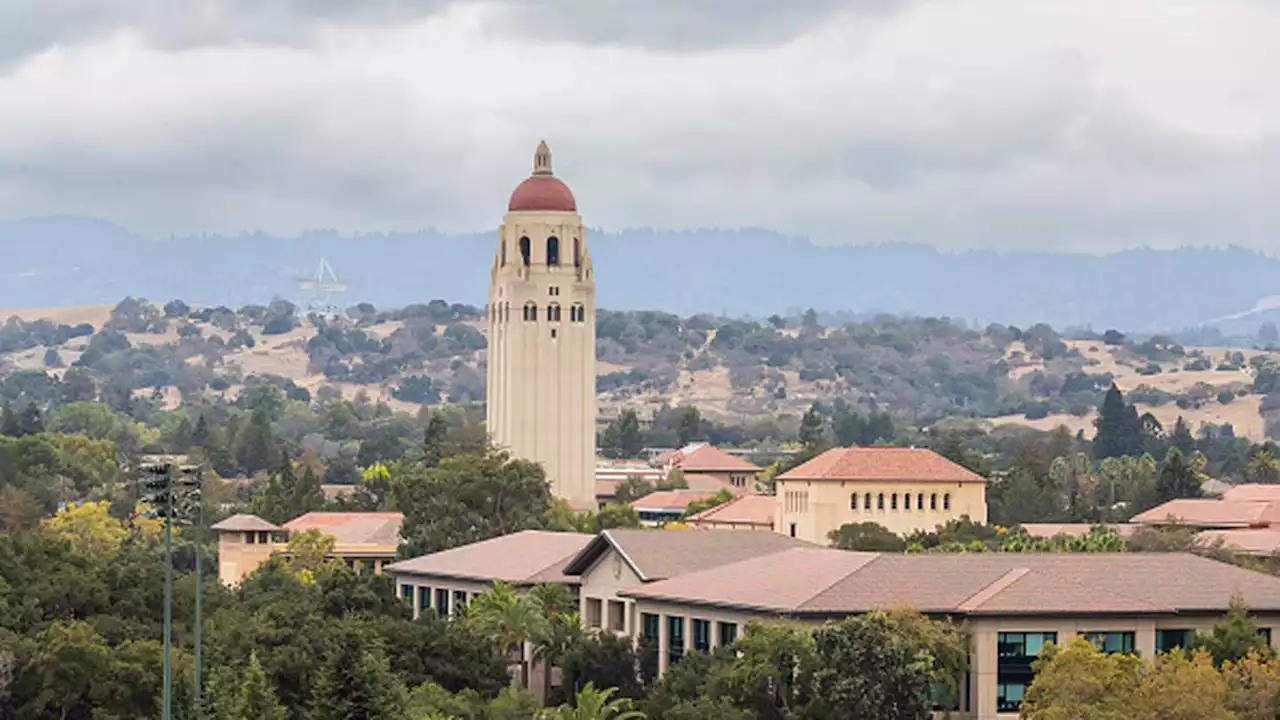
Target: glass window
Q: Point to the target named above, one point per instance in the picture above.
(459, 600)
(1111, 642)
(920, 501)
(946, 501)
(933, 501)
(424, 598)
(728, 633)
(1266, 634)
(406, 592)
(1015, 652)
(893, 501)
(866, 501)
(906, 501)
(675, 639)
(853, 501)
(649, 625)
(442, 602)
(1169, 640)
(702, 635)
(880, 501)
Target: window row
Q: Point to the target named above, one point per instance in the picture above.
(445, 603)
(699, 630)
(879, 500)
(553, 313)
(552, 256)
(796, 501)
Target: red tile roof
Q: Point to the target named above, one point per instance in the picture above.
(352, 528)
(657, 554)
(671, 500)
(745, 510)
(699, 481)
(1253, 491)
(821, 581)
(244, 523)
(1213, 513)
(882, 463)
(701, 457)
(527, 557)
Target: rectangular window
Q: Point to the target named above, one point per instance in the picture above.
(617, 616)
(793, 529)
(675, 639)
(728, 633)
(424, 598)
(593, 612)
(459, 600)
(893, 501)
(1111, 642)
(649, 626)
(1266, 634)
(1015, 652)
(1170, 640)
(702, 635)
(251, 538)
(442, 602)
(406, 592)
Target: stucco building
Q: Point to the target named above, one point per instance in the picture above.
(709, 467)
(903, 489)
(365, 541)
(749, 512)
(541, 397)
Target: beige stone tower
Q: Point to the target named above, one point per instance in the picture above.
(542, 336)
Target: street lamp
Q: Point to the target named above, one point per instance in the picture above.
(175, 499)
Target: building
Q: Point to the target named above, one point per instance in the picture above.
(1205, 514)
(365, 541)
(710, 462)
(612, 473)
(902, 489)
(1013, 604)
(541, 397)
(664, 506)
(749, 512)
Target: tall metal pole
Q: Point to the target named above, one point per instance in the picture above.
(168, 593)
(199, 622)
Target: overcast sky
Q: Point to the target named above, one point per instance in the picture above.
(1045, 124)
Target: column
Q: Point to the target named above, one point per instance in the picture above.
(1144, 638)
(664, 645)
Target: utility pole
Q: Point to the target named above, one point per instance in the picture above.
(160, 494)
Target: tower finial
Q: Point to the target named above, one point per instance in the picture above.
(542, 159)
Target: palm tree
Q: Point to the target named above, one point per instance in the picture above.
(508, 619)
(559, 637)
(593, 704)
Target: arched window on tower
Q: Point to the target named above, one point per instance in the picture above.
(553, 312)
(577, 253)
(553, 251)
(578, 313)
(525, 250)
(530, 312)
(503, 261)
(506, 311)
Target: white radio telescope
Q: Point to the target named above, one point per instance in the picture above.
(320, 292)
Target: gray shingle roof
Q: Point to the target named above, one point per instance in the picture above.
(658, 554)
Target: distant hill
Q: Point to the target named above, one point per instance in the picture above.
(60, 261)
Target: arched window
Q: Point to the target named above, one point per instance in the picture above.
(553, 312)
(503, 261)
(866, 501)
(506, 311)
(880, 501)
(906, 501)
(577, 253)
(933, 501)
(946, 501)
(920, 501)
(579, 312)
(893, 501)
(530, 312)
(524, 250)
(553, 251)
(853, 501)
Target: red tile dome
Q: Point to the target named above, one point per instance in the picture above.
(542, 191)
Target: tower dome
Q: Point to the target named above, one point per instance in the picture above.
(542, 191)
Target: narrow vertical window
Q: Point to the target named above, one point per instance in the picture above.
(880, 501)
(530, 312)
(525, 250)
(893, 501)
(920, 501)
(853, 501)
(933, 501)
(866, 501)
(577, 253)
(906, 501)
(553, 312)
(553, 251)
(503, 253)
(946, 501)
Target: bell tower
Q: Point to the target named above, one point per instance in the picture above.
(542, 336)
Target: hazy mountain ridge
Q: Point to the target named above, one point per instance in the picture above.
(71, 261)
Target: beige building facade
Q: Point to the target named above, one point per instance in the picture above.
(364, 541)
(541, 397)
(901, 489)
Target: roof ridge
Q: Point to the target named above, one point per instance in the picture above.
(854, 571)
(975, 601)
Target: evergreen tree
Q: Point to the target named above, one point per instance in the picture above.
(201, 435)
(813, 430)
(690, 428)
(1178, 477)
(623, 439)
(356, 683)
(1119, 428)
(8, 421)
(30, 422)
(182, 436)
(257, 699)
(255, 443)
(1181, 437)
(433, 442)
(307, 495)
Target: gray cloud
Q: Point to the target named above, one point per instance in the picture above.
(1070, 124)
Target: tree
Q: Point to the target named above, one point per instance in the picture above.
(507, 619)
(257, 699)
(1178, 477)
(434, 439)
(1263, 468)
(1113, 337)
(866, 536)
(622, 438)
(1119, 431)
(1253, 687)
(1078, 681)
(1181, 437)
(690, 428)
(356, 682)
(1268, 335)
(1233, 637)
(813, 430)
(256, 445)
(9, 421)
(593, 704)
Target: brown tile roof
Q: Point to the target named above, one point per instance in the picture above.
(526, 558)
(607, 488)
(1252, 491)
(1213, 513)
(352, 528)
(658, 554)
(244, 523)
(671, 500)
(882, 463)
(1251, 541)
(701, 457)
(745, 510)
(1048, 530)
(821, 581)
(700, 481)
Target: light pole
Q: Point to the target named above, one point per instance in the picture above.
(160, 494)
